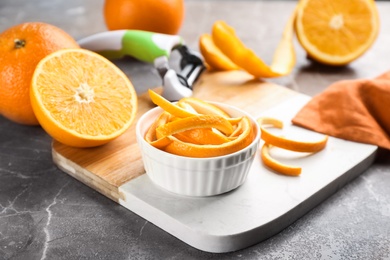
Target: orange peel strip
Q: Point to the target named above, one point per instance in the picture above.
(213, 56)
(270, 121)
(202, 136)
(194, 150)
(200, 121)
(150, 135)
(293, 145)
(168, 106)
(277, 166)
(284, 59)
(202, 107)
(161, 142)
(288, 144)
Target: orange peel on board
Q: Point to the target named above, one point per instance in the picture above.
(271, 139)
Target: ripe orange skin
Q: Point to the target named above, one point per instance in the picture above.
(21, 48)
(162, 16)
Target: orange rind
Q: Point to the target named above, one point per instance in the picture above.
(201, 151)
(202, 130)
(214, 57)
(277, 166)
(195, 122)
(286, 143)
(271, 139)
(230, 45)
(168, 106)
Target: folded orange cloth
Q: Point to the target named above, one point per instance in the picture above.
(355, 110)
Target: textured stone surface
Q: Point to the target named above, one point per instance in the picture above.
(46, 214)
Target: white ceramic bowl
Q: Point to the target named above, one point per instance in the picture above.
(196, 176)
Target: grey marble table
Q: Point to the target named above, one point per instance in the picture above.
(46, 214)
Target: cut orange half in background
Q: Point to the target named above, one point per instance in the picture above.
(82, 99)
(336, 32)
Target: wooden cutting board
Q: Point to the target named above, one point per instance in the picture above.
(264, 205)
(107, 167)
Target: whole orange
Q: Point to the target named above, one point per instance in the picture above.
(21, 48)
(162, 16)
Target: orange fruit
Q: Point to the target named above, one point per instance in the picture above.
(21, 48)
(336, 32)
(163, 16)
(82, 99)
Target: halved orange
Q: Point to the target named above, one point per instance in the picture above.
(336, 32)
(82, 99)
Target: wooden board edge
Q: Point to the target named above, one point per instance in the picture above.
(86, 177)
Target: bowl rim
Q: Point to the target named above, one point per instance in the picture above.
(141, 138)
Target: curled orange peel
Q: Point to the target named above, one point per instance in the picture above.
(193, 134)
(195, 150)
(168, 106)
(202, 136)
(214, 57)
(226, 40)
(288, 144)
(194, 122)
(284, 143)
(277, 166)
(203, 107)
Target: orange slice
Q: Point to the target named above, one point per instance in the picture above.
(213, 56)
(277, 166)
(336, 32)
(81, 99)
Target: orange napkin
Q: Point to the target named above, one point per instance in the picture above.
(355, 110)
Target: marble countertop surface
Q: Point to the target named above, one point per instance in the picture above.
(46, 214)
